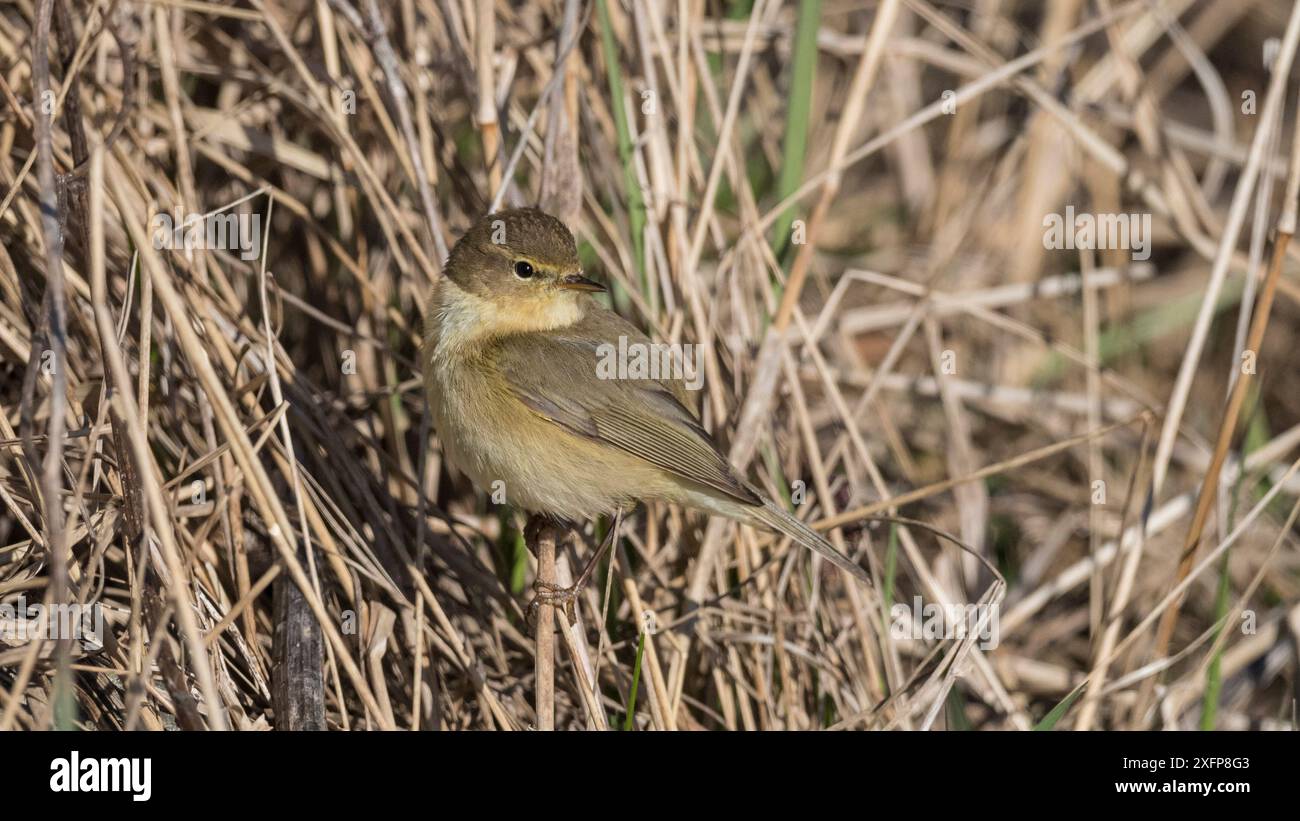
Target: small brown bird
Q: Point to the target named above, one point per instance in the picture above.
(513, 345)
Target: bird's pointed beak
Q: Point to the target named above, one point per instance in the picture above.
(577, 282)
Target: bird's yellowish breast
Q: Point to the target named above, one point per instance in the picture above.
(488, 434)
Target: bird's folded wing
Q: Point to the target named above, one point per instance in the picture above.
(556, 376)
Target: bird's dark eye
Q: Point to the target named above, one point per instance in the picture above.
(523, 270)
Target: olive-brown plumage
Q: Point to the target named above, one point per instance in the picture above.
(511, 345)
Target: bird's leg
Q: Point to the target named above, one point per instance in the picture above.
(546, 593)
(538, 529)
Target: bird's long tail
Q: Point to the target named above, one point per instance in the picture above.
(773, 517)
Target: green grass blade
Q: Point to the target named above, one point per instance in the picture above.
(797, 117)
(955, 709)
(636, 681)
(1214, 675)
(1148, 326)
(1257, 434)
(1058, 712)
(891, 567)
(518, 561)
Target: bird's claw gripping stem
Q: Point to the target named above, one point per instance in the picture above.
(554, 595)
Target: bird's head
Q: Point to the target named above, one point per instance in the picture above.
(519, 268)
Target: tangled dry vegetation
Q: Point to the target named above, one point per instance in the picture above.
(218, 450)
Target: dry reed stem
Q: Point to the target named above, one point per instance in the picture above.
(542, 540)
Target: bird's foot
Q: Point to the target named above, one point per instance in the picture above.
(552, 594)
(565, 597)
